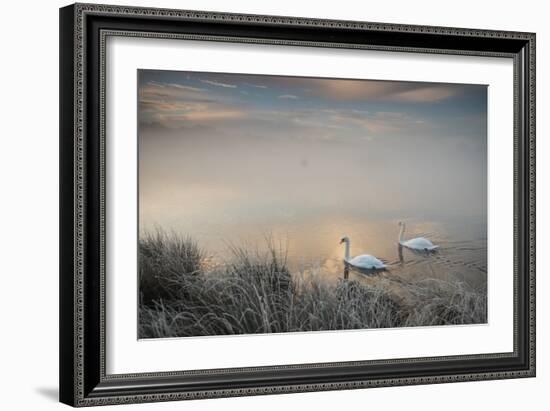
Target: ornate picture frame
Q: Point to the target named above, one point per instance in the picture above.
(84, 30)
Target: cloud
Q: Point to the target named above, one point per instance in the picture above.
(352, 122)
(216, 114)
(163, 92)
(382, 122)
(289, 97)
(175, 116)
(425, 94)
(190, 88)
(341, 123)
(255, 85)
(218, 84)
(362, 90)
(175, 105)
(394, 91)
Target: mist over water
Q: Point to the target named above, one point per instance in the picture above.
(223, 190)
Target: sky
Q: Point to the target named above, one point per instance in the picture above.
(335, 108)
(221, 153)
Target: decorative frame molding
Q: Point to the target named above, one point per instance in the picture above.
(83, 32)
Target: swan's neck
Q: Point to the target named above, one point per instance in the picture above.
(347, 251)
(401, 232)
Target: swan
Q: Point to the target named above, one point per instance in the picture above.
(363, 261)
(418, 243)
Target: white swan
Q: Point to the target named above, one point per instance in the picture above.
(363, 261)
(418, 243)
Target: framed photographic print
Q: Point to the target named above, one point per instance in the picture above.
(261, 204)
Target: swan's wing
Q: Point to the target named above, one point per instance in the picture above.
(419, 243)
(367, 261)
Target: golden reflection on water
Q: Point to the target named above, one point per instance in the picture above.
(311, 246)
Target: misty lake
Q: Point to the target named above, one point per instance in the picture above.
(305, 195)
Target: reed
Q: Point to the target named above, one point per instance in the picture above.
(256, 293)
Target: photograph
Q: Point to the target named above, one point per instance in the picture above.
(257, 201)
(275, 204)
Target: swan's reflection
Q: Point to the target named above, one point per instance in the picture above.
(358, 270)
(424, 253)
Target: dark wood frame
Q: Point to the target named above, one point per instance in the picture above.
(83, 30)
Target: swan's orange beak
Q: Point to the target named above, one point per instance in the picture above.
(341, 241)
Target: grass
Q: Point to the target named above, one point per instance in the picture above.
(256, 293)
